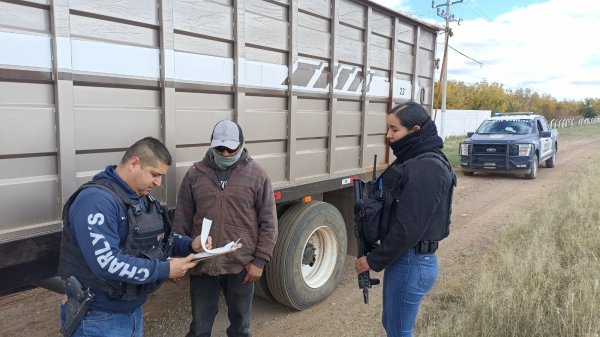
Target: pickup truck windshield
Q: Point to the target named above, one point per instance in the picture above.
(505, 126)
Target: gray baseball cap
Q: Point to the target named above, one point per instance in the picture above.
(227, 133)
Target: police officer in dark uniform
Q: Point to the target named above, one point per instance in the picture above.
(115, 244)
(420, 182)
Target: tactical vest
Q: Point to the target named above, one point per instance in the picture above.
(149, 236)
(394, 180)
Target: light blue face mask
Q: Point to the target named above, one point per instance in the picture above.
(225, 162)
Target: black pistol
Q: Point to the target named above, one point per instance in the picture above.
(76, 306)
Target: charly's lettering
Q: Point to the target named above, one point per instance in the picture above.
(103, 260)
(103, 250)
(145, 273)
(126, 271)
(96, 237)
(115, 265)
(96, 219)
(106, 259)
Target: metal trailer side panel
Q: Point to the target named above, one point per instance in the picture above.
(28, 146)
(310, 81)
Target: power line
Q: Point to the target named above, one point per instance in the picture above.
(476, 9)
(470, 58)
(463, 54)
(445, 14)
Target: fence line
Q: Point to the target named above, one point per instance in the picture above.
(459, 122)
(570, 122)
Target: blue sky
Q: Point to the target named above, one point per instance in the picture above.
(551, 47)
(467, 10)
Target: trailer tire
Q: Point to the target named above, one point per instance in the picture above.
(261, 288)
(308, 259)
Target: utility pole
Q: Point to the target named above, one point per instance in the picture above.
(445, 14)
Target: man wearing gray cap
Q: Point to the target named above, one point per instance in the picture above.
(228, 187)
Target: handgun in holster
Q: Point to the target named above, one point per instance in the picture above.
(76, 306)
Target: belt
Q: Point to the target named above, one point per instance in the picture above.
(426, 247)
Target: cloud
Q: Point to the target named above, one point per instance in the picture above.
(550, 48)
(396, 4)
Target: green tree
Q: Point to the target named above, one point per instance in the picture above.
(588, 110)
(492, 96)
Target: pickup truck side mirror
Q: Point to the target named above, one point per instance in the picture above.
(545, 134)
(469, 134)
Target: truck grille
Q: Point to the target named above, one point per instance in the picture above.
(490, 149)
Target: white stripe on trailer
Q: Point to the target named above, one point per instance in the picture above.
(263, 75)
(379, 87)
(203, 68)
(38, 55)
(111, 58)
(64, 52)
(119, 59)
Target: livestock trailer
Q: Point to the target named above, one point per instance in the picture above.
(309, 81)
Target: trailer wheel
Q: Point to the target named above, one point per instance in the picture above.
(309, 256)
(261, 288)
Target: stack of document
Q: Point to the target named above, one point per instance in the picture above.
(208, 253)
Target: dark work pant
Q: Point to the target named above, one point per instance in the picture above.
(205, 291)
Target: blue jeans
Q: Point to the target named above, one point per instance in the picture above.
(405, 283)
(108, 324)
(205, 291)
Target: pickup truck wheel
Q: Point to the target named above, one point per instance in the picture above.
(534, 169)
(309, 256)
(551, 162)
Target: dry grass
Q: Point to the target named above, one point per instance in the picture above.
(540, 279)
(578, 131)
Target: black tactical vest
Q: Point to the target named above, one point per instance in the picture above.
(149, 237)
(394, 180)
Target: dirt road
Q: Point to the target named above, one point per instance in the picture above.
(482, 205)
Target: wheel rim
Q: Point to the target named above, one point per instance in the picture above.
(319, 257)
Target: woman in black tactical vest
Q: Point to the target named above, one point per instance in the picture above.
(421, 182)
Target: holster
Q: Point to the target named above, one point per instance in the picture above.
(426, 247)
(77, 305)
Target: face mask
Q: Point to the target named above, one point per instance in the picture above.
(225, 162)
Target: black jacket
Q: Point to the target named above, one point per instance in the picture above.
(423, 190)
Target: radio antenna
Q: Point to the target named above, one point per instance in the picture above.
(374, 167)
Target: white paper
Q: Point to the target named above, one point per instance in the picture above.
(208, 253)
